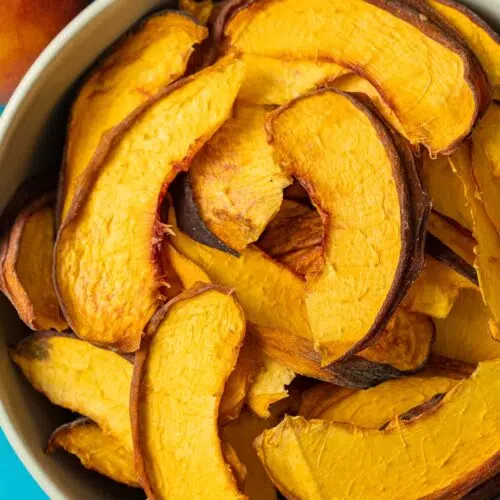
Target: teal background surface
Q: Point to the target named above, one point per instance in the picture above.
(15, 480)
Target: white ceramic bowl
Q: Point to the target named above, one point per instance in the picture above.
(31, 136)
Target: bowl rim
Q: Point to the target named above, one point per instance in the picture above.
(13, 108)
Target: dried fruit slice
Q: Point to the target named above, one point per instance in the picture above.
(374, 407)
(480, 37)
(239, 383)
(191, 348)
(363, 192)
(153, 55)
(403, 347)
(443, 454)
(276, 307)
(237, 184)
(454, 237)
(200, 10)
(269, 385)
(96, 450)
(237, 467)
(26, 266)
(241, 378)
(485, 157)
(305, 261)
(354, 83)
(270, 294)
(241, 434)
(100, 245)
(445, 190)
(295, 227)
(293, 238)
(186, 270)
(436, 289)
(464, 334)
(487, 262)
(76, 375)
(387, 37)
(272, 80)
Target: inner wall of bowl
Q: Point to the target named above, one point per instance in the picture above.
(34, 144)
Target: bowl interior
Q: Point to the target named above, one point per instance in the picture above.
(32, 133)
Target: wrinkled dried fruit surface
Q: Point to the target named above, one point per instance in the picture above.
(179, 376)
(276, 80)
(269, 385)
(241, 434)
(374, 407)
(154, 55)
(101, 245)
(487, 251)
(443, 454)
(270, 294)
(376, 39)
(76, 375)
(464, 334)
(445, 190)
(479, 36)
(239, 383)
(237, 184)
(96, 450)
(360, 188)
(26, 266)
(453, 236)
(436, 289)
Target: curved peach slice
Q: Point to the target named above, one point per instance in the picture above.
(106, 261)
(154, 54)
(237, 183)
(26, 266)
(374, 39)
(444, 453)
(480, 37)
(464, 334)
(373, 211)
(179, 376)
(76, 375)
(96, 450)
(374, 407)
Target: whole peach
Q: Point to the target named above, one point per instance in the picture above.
(26, 27)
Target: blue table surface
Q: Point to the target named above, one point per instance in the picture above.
(15, 480)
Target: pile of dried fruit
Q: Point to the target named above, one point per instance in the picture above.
(275, 255)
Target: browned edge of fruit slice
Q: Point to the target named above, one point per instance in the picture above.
(444, 254)
(189, 219)
(10, 246)
(355, 372)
